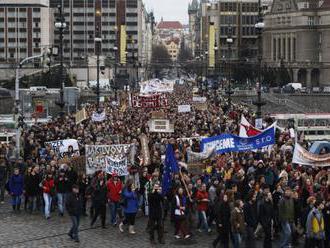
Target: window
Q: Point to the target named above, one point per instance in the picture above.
(274, 49)
(36, 24)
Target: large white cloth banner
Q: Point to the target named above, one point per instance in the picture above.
(64, 147)
(116, 166)
(98, 117)
(303, 157)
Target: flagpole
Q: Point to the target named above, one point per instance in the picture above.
(185, 185)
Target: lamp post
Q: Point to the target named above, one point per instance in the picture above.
(61, 26)
(215, 71)
(229, 92)
(259, 26)
(98, 51)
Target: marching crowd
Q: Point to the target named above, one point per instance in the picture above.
(242, 196)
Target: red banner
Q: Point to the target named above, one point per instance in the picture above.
(152, 101)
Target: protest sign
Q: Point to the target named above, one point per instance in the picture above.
(116, 166)
(199, 99)
(184, 108)
(81, 116)
(200, 106)
(158, 115)
(160, 126)
(156, 86)
(193, 157)
(231, 143)
(151, 101)
(303, 157)
(98, 117)
(64, 147)
(145, 152)
(96, 156)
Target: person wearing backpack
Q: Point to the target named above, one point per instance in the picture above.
(315, 226)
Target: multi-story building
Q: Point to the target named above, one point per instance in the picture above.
(173, 47)
(26, 28)
(119, 23)
(296, 37)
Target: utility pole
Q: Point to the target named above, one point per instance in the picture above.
(61, 26)
(259, 103)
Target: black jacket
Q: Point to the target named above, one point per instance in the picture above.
(73, 204)
(100, 195)
(3, 173)
(156, 205)
(251, 214)
(32, 185)
(266, 213)
(222, 214)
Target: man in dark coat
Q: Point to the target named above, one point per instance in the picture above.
(3, 178)
(222, 213)
(156, 207)
(32, 189)
(100, 200)
(266, 215)
(251, 219)
(74, 207)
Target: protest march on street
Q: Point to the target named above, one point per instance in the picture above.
(192, 167)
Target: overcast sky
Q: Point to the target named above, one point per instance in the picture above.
(170, 10)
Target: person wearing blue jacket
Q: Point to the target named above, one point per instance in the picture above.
(16, 186)
(130, 204)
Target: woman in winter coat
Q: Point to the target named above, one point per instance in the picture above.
(237, 223)
(180, 203)
(48, 189)
(222, 212)
(130, 205)
(16, 186)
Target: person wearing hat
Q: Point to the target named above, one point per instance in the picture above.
(114, 186)
(73, 206)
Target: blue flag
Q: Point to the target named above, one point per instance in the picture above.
(170, 167)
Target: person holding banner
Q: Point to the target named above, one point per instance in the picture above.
(114, 187)
(100, 199)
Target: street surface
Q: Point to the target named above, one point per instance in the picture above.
(24, 230)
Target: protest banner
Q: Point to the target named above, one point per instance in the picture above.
(199, 99)
(303, 157)
(184, 108)
(151, 101)
(64, 147)
(231, 143)
(156, 86)
(196, 168)
(193, 157)
(158, 115)
(98, 117)
(116, 166)
(145, 152)
(200, 106)
(81, 116)
(160, 126)
(96, 156)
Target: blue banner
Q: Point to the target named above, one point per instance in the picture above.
(231, 143)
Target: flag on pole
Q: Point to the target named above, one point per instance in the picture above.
(170, 167)
(246, 129)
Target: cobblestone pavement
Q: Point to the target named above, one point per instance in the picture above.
(25, 230)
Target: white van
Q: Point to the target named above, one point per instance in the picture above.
(296, 86)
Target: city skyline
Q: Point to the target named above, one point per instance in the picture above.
(166, 10)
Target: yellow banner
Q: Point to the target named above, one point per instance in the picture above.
(123, 44)
(211, 46)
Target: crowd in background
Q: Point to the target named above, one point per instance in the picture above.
(241, 196)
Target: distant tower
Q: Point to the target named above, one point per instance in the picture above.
(192, 12)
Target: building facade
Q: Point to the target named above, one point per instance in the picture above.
(26, 28)
(296, 37)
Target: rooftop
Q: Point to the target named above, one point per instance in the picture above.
(169, 25)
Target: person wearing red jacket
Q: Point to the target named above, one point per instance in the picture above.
(202, 198)
(114, 186)
(48, 189)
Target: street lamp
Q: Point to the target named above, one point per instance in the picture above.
(259, 26)
(229, 92)
(61, 26)
(98, 51)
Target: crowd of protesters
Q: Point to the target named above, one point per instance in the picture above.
(242, 197)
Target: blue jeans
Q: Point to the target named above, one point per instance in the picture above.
(48, 204)
(61, 202)
(75, 226)
(237, 240)
(203, 220)
(32, 203)
(114, 207)
(15, 200)
(286, 234)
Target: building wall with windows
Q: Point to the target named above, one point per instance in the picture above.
(25, 29)
(296, 36)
